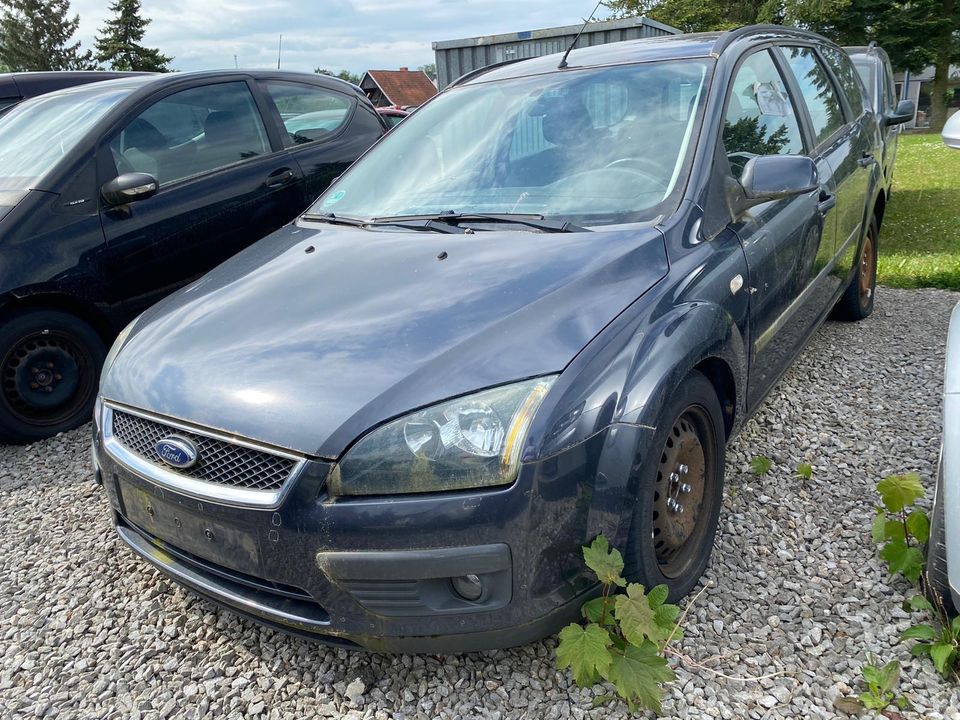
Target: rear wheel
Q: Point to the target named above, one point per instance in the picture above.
(50, 363)
(857, 301)
(937, 554)
(680, 492)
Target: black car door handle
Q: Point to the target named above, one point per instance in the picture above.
(827, 202)
(865, 160)
(280, 177)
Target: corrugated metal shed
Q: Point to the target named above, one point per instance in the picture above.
(456, 57)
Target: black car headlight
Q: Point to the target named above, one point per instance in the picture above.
(471, 442)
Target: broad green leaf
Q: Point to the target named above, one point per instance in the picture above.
(637, 619)
(872, 702)
(900, 491)
(658, 595)
(918, 525)
(805, 471)
(918, 632)
(894, 530)
(917, 602)
(593, 609)
(607, 564)
(921, 648)
(638, 673)
(904, 559)
(585, 650)
(889, 676)
(943, 655)
(761, 465)
(871, 675)
(878, 526)
(666, 616)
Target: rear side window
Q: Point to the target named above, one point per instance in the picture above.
(818, 92)
(846, 74)
(760, 118)
(308, 113)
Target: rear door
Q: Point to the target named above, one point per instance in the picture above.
(840, 127)
(223, 185)
(787, 242)
(324, 130)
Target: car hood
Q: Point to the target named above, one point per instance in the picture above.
(318, 333)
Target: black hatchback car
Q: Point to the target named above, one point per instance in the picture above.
(116, 193)
(534, 312)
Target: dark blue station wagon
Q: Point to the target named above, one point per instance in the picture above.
(534, 312)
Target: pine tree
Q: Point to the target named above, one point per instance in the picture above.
(118, 42)
(35, 35)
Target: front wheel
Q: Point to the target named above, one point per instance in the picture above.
(680, 492)
(856, 303)
(49, 368)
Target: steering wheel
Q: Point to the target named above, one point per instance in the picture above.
(649, 169)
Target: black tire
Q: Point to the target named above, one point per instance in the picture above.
(50, 364)
(856, 303)
(937, 555)
(666, 545)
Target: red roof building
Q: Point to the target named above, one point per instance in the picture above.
(403, 87)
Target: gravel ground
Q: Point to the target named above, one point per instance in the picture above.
(88, 631)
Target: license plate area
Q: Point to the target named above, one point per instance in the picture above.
(191, 526)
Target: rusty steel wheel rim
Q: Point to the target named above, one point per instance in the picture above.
(868, 270)
(684, 478)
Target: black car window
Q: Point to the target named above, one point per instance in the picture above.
(846, 74)
(818, 92)
(192, 132)
(760, 118)
(309, 113)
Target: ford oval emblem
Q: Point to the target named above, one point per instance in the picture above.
(177, 451)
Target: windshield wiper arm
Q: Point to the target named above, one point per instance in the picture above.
(536, 222)
(333, 219)
(425, 223)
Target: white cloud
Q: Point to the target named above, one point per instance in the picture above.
(354, 34)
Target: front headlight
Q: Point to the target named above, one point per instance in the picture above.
(471, 442)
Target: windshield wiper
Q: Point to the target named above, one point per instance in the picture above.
(536, 222)
(416, 223)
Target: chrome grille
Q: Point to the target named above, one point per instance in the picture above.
(219, 461)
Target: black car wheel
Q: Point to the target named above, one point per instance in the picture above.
(937, 586)
(679, 492)
(857, 301)
(50, 364)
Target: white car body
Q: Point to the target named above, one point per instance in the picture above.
(950, 466)
(951, 131)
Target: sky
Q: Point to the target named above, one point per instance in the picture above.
(355, 35)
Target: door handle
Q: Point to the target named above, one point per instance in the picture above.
(865, 160)
(827, 202)
(279, 178)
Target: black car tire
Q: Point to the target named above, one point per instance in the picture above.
(937, 555)
(856, 303)
(666, 545)
(50, 364)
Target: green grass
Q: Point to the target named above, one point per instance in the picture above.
(920, 238)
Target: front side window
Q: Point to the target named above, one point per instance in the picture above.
(192, 132)
(760, 117)
(595, 146)
(308, 113)
(818, 92)
(846, 74)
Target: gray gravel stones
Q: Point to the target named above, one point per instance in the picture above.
(88, 631)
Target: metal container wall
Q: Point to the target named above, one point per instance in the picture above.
(457, 57)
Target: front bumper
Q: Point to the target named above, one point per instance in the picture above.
(377, 573)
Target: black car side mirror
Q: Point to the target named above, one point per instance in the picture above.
(774, 177)
(129, 187)
(904, 112)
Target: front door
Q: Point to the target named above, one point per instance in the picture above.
(222, 187)
(786, 241)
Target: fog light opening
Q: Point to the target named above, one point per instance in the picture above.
(469, 587)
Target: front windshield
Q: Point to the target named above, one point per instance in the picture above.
(597, 146)
(37, 133)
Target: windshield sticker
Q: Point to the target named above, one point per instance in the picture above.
(770, 99)
(335, 198)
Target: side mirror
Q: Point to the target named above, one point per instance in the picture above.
(129, 187)
(951, 132)
(904, 113)
(774, 177)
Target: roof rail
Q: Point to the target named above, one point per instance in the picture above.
(729, 37)
(480, 71)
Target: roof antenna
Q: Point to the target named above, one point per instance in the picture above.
(563, 60)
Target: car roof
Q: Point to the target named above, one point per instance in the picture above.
(666, 47)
